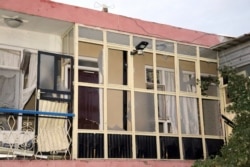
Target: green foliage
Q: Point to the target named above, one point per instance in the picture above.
(237, 150)
(205, 82)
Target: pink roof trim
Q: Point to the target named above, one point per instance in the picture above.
(101, 19)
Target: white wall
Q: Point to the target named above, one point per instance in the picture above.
(30, 39)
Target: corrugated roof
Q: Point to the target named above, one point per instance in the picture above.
(231, 43)
(111, 21)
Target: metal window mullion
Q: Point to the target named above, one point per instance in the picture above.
(198, 74)
(131, 84)
(177, 82)
(105, 95)
(158, 153)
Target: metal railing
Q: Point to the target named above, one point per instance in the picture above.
(23, 137)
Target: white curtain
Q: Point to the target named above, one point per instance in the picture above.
(31, 82)
(10, 58)
(8, 90)
(9, 78)
(188, 106)
(170, 100)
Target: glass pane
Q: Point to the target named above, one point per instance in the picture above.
(165, 46)
(47, 64)
(146, 147)
(119, 146)
(119, 114)
(90, 109)
(209, 74)
(90, 145)
(66, 44)
(186, 49)
(144, 112)
(209, 68)
(137, 40)
(169, 148)
(113, 37)
(187, 76)
(89, 33)
(91, 60)
(64, 67)
(189, 115)
(207, 53)
(192, 148)
(117, 67)
(165, 65)
(213, 146)
(141, 76)
(71, 42)
(212, 117)
(167, 114)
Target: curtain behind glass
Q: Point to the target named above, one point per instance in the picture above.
(189, 107)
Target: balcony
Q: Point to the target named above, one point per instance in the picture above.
(28, 134)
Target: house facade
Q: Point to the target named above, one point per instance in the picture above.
(84, 89)
(233, 53)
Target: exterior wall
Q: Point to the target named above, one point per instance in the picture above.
(143, 100)
(96, 163)
(237, 56)
(31, 40)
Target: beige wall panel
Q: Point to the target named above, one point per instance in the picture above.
(89, 50)
(165, 61)
(208, 67)
(115, 110)
(115, 66)
(187, 65)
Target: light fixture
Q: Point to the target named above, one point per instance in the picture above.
(139, 48)
(13, 22)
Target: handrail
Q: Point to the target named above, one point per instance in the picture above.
(34, 112)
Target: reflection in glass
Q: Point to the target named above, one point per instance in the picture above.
(140, 64)
(47, 67)
(145, 146)
(212, 119)
(165, 69)
(144, 112)
(192, 148)
(187, 76)
(89, 108)
(169, 148)
(213, 146)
